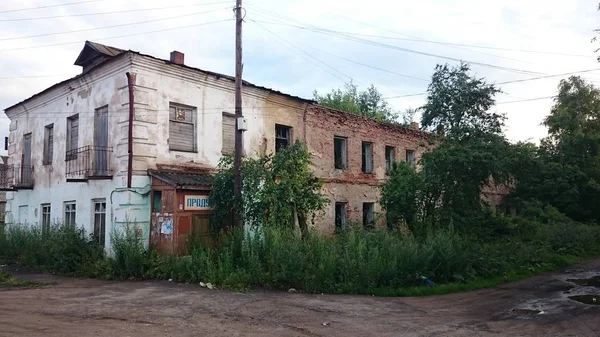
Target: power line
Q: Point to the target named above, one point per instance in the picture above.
(113, 12)
(526, 100)
(35, 76)
(49, 6)
(318, 60)
(116, 37)
(112, 26)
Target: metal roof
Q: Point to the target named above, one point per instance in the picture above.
(184, 180)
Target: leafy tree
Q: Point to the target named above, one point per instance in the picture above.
(369, 103)
(279, 190)
(458, 103)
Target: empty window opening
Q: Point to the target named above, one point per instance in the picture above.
(410, 157)
(340, 215)
(340, 152)
(367, 157)
(283, 136)
(390, 158)
(368, 215)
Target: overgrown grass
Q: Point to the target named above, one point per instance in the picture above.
(7, 280)
(376, 262)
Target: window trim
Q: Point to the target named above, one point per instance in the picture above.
(344, 153)
(364, 164)
(194, 126)
(94, 213)
(46, 226)
(65, 204)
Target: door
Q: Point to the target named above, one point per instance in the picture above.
(26, 161)
(201, 228)
(100, 157)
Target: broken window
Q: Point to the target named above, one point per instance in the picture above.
(48, 144)
(100, 221)
(390, 158)
(368, 215)
(367, 157)
(70, 213)
(410, 157)
(283, 136)
(182, 128)
(46, 219)
(340, 215)
(72, 137)
(340, 152)
(228, 134)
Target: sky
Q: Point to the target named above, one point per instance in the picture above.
(299, 46)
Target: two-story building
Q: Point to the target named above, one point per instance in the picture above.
(134, 139)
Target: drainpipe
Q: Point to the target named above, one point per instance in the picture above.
(130, 82)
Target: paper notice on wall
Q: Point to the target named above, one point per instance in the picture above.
(167, 226)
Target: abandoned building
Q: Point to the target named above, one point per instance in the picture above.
(134, 139)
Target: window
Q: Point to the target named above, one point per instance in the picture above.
(283, 136)
(157, 202)
(340, 215)
(23, 212)
(367, 157)
(46, 219)
(100, 221)
(339, 152)
(182, 128)
(368, 216)
(72, 137)
(70, 213)
(48, 144)
(390, 158)
(228, 134)
(410, 157)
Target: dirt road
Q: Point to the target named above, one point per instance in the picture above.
(536, 307)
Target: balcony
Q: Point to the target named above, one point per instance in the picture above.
(88, 163)
(16, 177)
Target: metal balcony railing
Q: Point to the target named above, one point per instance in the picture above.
(14, 177)
(88, 162)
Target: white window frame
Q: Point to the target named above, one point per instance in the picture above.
(68, 211)
(102, 236)
(46, 218)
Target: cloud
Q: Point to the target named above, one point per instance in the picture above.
(299, 61)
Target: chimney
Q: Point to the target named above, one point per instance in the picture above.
(177, 57)
(414, 125)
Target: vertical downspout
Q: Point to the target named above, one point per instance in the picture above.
(130, 82)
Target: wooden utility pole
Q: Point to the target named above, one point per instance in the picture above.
(240, 123)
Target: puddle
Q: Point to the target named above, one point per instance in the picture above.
(586, 299)
(587, 282)
(526, 312)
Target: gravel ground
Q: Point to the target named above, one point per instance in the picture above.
(84, 307)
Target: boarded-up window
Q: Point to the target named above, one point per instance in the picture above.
(72, 136)
(48, 144)
(228, 133)
(182, 128)
(367, 157)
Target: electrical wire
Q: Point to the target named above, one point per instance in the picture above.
(113, 26)
(318, 60)
(116, 37)
(527, 100)
(113, 12)
(49, 6)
